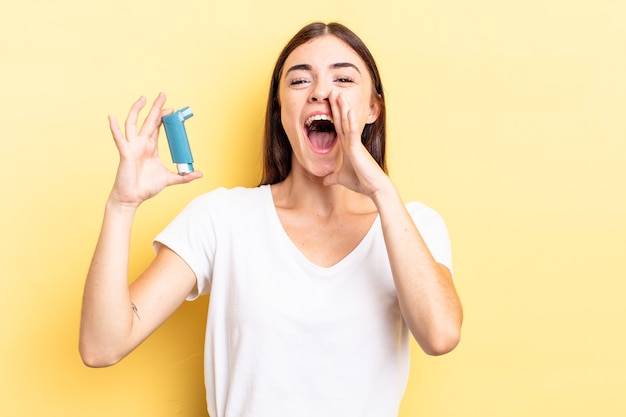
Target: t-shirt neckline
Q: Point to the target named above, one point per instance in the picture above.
(354, 256)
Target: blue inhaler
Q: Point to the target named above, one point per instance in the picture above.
(178, 141)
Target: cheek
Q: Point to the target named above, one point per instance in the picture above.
(286, 120)
(288, 116)
(371, 109)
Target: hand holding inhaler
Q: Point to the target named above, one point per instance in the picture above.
(178, 141)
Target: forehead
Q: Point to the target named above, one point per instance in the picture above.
(324, 51)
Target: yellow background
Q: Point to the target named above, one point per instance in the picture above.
(506, 117)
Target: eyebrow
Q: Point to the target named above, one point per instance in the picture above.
(307, 67)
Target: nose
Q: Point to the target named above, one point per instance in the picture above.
(319, 92)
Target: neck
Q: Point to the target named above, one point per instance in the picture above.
(307, 193)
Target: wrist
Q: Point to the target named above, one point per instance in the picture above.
(115, 206)
(386, 193)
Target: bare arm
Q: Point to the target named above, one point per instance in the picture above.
(115, 317)
(428, 299)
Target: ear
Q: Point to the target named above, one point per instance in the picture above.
(374, 110)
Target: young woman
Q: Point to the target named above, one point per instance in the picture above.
(316, 277)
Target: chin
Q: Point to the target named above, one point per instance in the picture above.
(322, 169)
(315, 163)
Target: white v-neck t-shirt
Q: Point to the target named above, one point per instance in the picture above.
(286, 337)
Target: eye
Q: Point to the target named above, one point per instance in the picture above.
(299, 82)
(344, 79)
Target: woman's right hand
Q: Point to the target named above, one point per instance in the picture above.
(141, 174)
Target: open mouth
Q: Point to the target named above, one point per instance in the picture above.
(321, 132)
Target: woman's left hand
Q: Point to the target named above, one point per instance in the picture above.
(359, 171)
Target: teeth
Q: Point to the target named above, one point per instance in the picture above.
(318, 117)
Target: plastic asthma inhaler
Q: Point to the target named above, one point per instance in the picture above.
(178, 141)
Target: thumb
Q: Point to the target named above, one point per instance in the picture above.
(175, 179)
(331, 179)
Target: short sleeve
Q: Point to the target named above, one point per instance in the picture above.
(191, 235)
(433, 230)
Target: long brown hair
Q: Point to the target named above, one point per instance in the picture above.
(276, 148)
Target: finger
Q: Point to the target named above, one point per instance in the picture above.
(336, 111)
(131, 120)
(341, 115)
(352, 126)
(349, 125)
(153, 120)
(345, 111)
(345, 120)
(154, 134)
(118, 136)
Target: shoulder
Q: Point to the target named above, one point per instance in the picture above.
(433, 230)
(421, 213)
(223, 198)
(218, 209)
(428, 221)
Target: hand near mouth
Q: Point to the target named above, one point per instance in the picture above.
(359, 171)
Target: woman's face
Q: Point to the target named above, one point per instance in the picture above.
(310, 73)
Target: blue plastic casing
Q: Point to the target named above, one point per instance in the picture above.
(177, 139)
